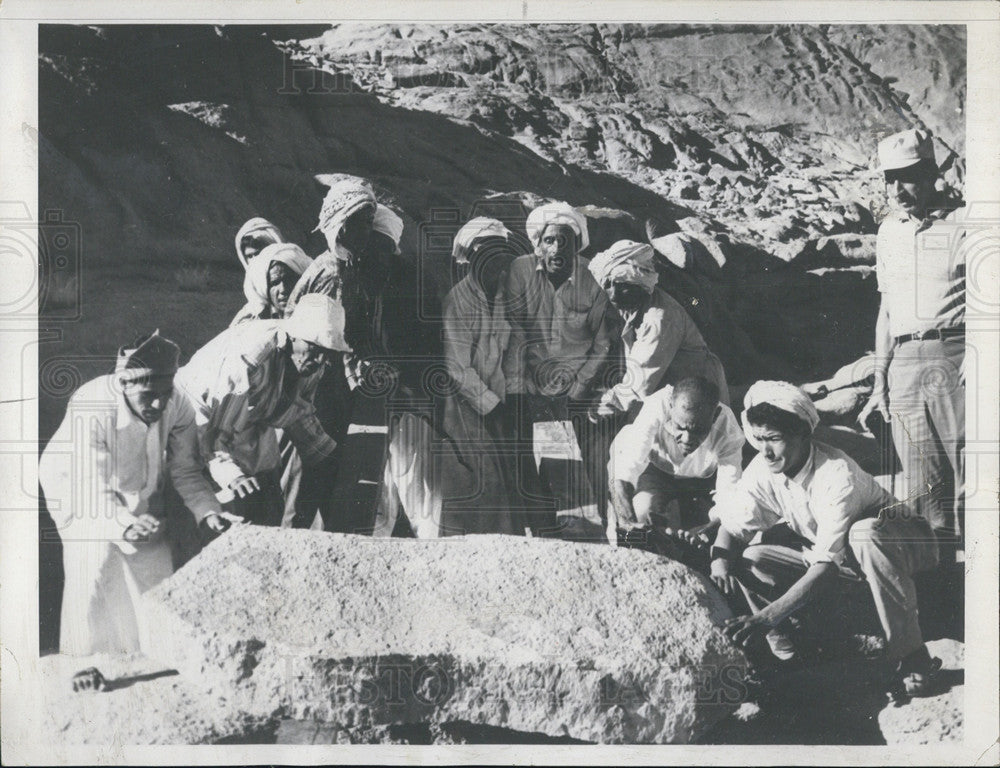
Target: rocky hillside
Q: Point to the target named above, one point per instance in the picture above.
(767, 131)
(744, 153)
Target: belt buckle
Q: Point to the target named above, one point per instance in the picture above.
(931, 334)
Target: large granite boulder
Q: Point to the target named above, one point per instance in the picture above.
(530, 635)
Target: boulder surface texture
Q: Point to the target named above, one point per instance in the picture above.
(537, 636)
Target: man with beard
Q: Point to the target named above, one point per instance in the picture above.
(561, 336)
(920, 336)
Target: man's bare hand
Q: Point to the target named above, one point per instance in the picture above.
(878, 401)
(722, 577)
(146, 529)
(89, 679)
(245, 486)
(220, 521)
(698, 537)
(742, 629)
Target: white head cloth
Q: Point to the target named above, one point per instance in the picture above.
(344, 198)
(255, 282)
(318, 319)
(626, 261)
(782, 395)
(388, 223)
(256, 226)
(556, 213)
(473, 230)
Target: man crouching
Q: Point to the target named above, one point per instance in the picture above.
(683, 447)
(823, 523)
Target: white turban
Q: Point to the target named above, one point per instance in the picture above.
(473, 230)
(626, 261)
(344, 198)
(556, 213)
(388, 223)
(256, 226)
(255, 282)
(320, 320)
(785, 397)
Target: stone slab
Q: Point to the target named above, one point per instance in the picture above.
(536, 636)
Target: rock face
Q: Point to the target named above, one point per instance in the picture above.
(536, 636)
(755, 141)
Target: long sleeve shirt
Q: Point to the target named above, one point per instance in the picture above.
(820, 503)
(664, 337)
(474, 344)
(104, 463)
(651, 440)
(567, 329)
(241, 384)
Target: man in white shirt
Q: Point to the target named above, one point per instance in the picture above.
(562, 333)
(920, 336)
(683, 442)
(103, 473)
(821, 520)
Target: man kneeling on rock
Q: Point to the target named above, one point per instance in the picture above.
(683, 444)
(823, 522)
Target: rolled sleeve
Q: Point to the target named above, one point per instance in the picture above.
(745, 509)
(833, 523)
(730, 455)
(310, 439)
(633, 446)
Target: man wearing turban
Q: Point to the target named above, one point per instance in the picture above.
(103, 474)
(561, 335)
(255, 235)
(805, 519)
(271, 278)
(478, 493)
(392, 315)
(662, 343)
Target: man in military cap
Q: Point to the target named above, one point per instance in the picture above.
(920, 335)
(103, 473)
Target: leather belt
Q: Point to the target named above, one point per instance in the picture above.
(932, 335)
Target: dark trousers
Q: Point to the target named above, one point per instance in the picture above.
(267, 506)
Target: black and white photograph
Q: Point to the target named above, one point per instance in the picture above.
(477, 390)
